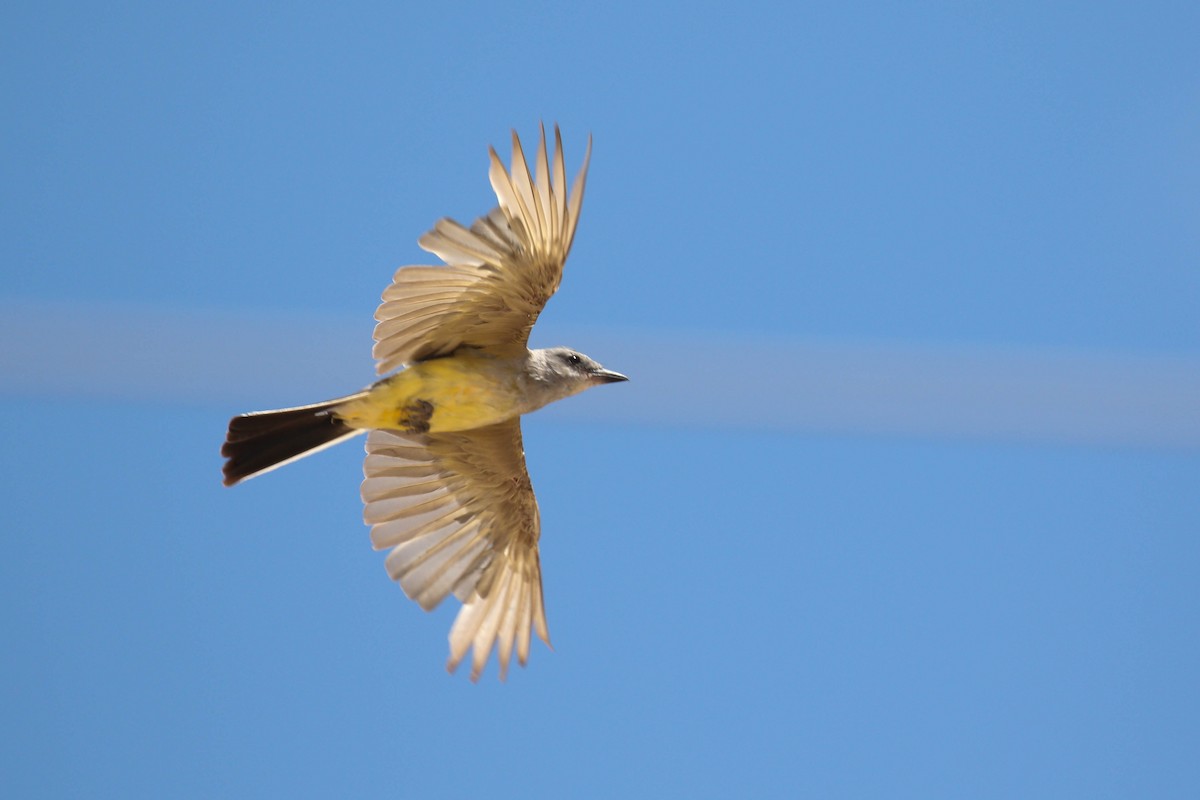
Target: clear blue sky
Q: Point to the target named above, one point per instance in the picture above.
(849, 581)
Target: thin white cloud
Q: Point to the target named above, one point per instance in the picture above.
(250, 360)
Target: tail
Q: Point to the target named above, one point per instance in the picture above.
(263, 440)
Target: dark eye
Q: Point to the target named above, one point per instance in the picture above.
(574, 359)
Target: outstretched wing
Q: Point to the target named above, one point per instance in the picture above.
(458, 512)
(499, 273)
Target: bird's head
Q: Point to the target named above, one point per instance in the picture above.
(562, 372)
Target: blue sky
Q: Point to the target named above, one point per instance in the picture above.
(901, 500)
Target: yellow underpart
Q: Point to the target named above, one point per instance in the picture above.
(457, 393)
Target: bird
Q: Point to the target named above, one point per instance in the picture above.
(445, 489)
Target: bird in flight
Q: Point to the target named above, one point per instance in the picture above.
(446, 489)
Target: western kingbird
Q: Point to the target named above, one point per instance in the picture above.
(446, 487)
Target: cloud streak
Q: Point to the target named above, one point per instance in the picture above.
(240, 361)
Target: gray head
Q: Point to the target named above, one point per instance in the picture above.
(558, 372)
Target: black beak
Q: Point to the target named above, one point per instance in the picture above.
(608, 376)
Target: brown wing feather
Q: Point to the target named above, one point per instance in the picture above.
(500, 272)
(458, 512)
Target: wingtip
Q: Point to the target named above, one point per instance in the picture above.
(476, 669)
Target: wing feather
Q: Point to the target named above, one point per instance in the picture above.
(495, 230)
(560, 183)
(575, 204)
(459, 516)
(544, 189)
(499, 273)
(522, 182)
(457, 245)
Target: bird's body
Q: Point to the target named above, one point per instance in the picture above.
(446, 486)
(466, 390)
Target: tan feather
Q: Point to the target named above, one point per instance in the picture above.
(499, 273)
(458, 513)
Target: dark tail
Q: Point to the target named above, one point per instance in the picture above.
(263, 440)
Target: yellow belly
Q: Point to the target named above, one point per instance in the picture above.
(446, 394)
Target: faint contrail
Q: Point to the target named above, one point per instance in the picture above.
(255, 358)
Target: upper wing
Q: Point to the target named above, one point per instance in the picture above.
(499, 273)
(458, 511)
